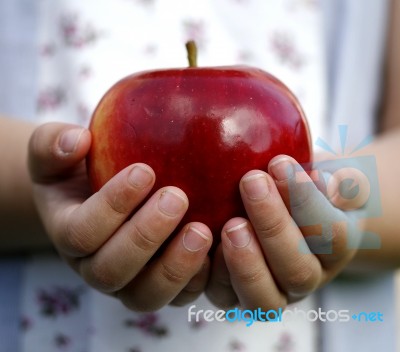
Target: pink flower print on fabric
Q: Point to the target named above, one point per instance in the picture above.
(244, 56)
(198, 324)
(85, 71)
(47, 50)
(148, 324)
(150, 49)
(75, 33)
(26, 323)
(237, 346)
(50, 98)
(58, 300)
(285, 49)
(195, 30)
(83, 113)
(285, 343)
(62, 341)
(135, 349)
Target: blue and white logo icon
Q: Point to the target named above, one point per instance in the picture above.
(351, 185)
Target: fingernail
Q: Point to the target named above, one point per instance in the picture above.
(69, 140)
(256, 186)
(171, 203)
(282, 169)
(194, 240)
(239, 235)
(139, 177)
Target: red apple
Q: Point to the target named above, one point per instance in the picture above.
(200, 129)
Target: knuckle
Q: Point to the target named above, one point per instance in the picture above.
(332, 241)
(196, 285)
(273, 226)
(336, 245)
(173, 274)
(41, 142)
(275, 303)
(99, 276)
(302, 282)
(180, 301)
(225, 283)
(138, 305)
(222, 303)
(300, 199)
(249, 277)
(339, 235)
(77, 241)
(143, 239)
(33, 142)
(279, 303)
(221, 294)
(192, 289)
(117, 200)
(184, 298)
(223, 299)
(36, 155)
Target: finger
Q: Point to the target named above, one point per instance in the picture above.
(295, 268)
(121, 258)
(327, 229)
(219, 288)
(54, 148)
(159, 283)
(250, 276)
(348, 189)
(88, 225)
(195, 287)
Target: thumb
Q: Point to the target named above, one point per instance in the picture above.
(323, 225)
(55, 149)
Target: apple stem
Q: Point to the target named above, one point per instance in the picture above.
(191, 49)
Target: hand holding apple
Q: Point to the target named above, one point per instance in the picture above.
(101, 238)
(110, 237)
(200, 129)
(294, 242)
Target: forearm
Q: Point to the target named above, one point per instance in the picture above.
(20, 227)
(385, 150)
(387, 225)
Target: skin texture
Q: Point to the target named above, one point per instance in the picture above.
(98, 236)
(254, 271)
(200, 142)
(20, 226)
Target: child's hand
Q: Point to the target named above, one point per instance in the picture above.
(98, 235)
(272, 261)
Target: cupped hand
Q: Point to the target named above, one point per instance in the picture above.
(294, 242)
(110, 237)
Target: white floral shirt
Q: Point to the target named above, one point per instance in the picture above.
(84, 46)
